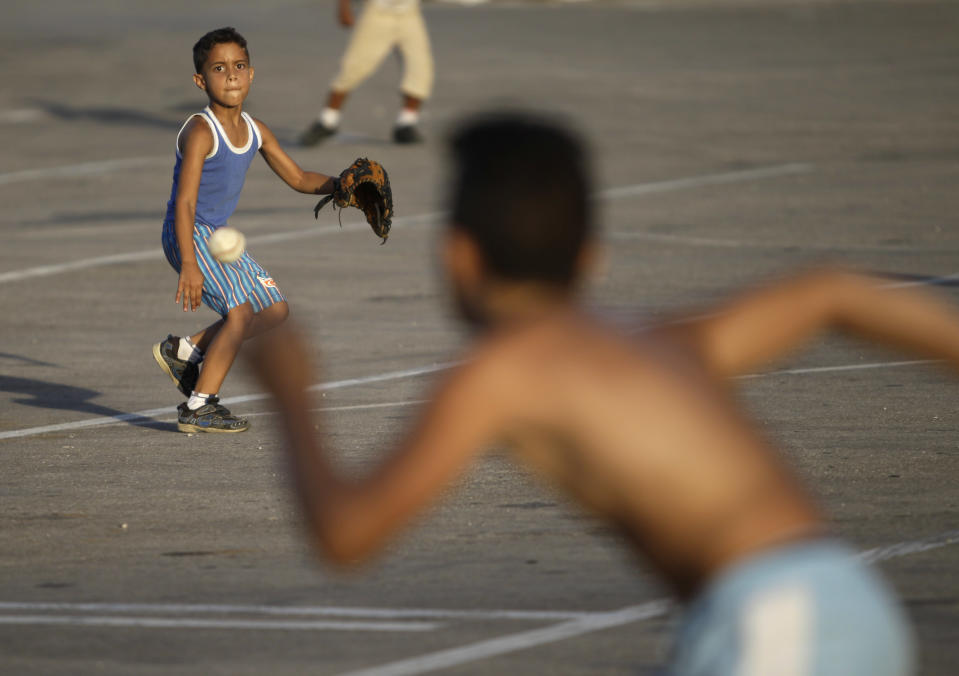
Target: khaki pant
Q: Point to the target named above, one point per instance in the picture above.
(376, 33)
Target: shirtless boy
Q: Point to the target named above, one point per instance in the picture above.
(639, 428)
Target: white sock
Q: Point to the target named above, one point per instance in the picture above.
(188, 351)
(407, 118)
(196, 400)
(330, 118)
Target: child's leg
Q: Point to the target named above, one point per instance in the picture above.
(223, 348)
(414, 45)
(223, 340)
(372, 40)
(417, 81)
(268, 318)
(263, 321)
(335, 101)
(204, 337)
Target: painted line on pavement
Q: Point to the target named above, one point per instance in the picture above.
(472, 652)
(297, 611)
(149, 414)
(692, 240)
(529, 639)
(837, 369)
(155, 253)
(349, 407)
(573, 622)
(83, 169)
(906, 548)
(195, 623)
(707, 179)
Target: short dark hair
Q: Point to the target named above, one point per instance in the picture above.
(201, 50)
(521, 190)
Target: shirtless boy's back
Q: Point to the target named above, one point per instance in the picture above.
(642, 435)
(640, 428)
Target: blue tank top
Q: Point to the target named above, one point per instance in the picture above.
(224, 171)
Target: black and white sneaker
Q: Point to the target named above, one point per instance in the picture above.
(183, 373)
(315, 133)
(407, 133)
(211, 417)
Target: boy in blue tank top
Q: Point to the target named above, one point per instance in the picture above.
(214, 150)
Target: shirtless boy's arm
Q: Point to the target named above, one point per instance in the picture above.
(195, 144)
(767, 323)
(350, 519)
(283, 165)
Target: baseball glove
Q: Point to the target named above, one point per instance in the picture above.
(366, 186)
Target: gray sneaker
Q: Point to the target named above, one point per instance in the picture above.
(211, 417)
(183, 373)
(315, 133)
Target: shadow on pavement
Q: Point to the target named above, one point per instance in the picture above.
(58, 396)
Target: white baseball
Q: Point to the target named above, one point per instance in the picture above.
(227, 244)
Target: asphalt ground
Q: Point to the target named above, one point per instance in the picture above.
(730, 145)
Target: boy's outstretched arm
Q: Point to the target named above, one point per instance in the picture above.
(350, 519)
(309, 182)
(764, 324)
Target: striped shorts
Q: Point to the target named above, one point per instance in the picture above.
(225, 285)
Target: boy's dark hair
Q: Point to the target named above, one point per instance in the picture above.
(201, 50)
(521, 190)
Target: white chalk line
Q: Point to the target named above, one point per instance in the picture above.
(922, 282)
(196, 623)
(83, 169)
(573, 622)
(300, 611)
(150, 413)
(781, 372)
(21, 115)
(707, 179)
(451, 657)
(682, 239)
(529, 639)
(837, 369)
(691, 240)
(157, 254)
(82, 264)
(432, 368)
(906, 548)
(392, 375)
(150, 254)
(350, 407)
(423, 370)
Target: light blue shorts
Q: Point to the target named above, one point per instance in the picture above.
(225, 285)
(812, 608)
